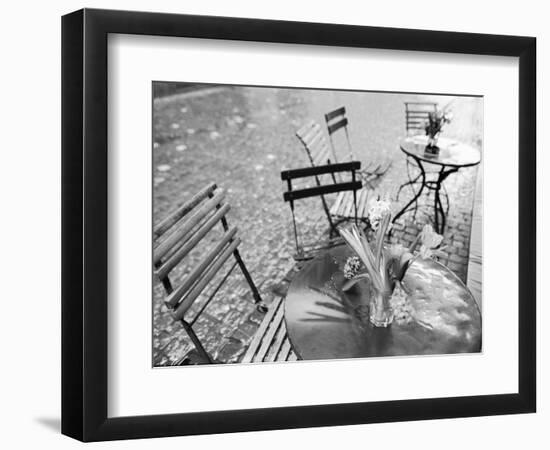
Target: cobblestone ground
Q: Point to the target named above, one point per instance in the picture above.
(242, 138)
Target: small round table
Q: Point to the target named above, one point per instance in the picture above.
(452, 156)
(323, 322)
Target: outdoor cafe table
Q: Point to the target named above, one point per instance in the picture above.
(323, 322)
(452, 157)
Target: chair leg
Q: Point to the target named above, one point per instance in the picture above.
(196, 342)
(260, 305)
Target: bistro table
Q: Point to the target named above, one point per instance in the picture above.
(452, 157)
(323, 322)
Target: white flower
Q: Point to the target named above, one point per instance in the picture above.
(430, 240)
(352, 266)
(377, 211)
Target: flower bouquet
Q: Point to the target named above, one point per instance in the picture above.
(433, 127)
(383, 266)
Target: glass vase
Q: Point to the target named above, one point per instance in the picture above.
(380, 310)
(432, 141)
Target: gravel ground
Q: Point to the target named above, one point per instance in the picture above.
(241, 138)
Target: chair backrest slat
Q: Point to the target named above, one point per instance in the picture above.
(189, 245)
(315, 144)
(312, 135)
(321, 190)
(323, 157)
(205, 279)
(337, 120)
(337, 125)
(304, 131)
(336, 113)
(182, 232)
(176, 296)
(183, 210)
(320, 170)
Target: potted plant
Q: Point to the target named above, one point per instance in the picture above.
(383, 266)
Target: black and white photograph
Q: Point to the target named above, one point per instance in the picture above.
(275, 225)
(294, 224)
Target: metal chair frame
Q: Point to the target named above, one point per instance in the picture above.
(320, 190)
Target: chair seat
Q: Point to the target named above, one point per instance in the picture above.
(343, 206)
(270, 343)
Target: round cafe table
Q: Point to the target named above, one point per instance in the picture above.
(452, 157)
(323, 322)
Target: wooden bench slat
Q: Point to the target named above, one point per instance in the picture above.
(362, 210)
(204, 279)
(292, 356)
(334, 210)
(277, 341)
(183, 210)
(343, 203)
(349, 209)
(257, 339)
(184, 228)
(285, 350)
(174, 298)
(270, 334)
(182, 251)
(360, 196)
(344, 207)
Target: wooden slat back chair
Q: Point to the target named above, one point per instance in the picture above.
(291, 195)
(318, 153)
(176, 236)
(416, 116)
(336, 122)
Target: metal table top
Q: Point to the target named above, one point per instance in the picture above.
(451, 153)
(323, 322)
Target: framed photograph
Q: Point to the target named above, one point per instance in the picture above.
(273, 224)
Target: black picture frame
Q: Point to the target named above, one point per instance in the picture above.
(84, 224)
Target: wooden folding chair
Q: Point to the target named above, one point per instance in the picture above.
(319, 153)
(315, 144)
(336, 120)
(351, 187)
(175, 237)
